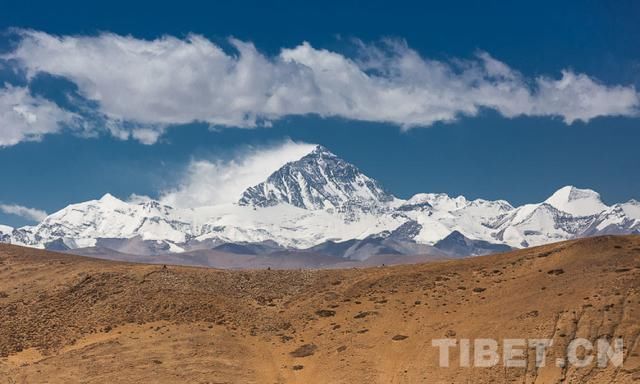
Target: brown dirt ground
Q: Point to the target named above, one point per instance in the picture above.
(68, 319)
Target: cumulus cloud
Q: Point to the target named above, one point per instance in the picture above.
(208, 182)
(24, 212)
(24, 117)
(168, 81)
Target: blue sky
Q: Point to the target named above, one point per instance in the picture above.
(95, 130)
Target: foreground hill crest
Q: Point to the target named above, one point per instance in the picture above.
(67, 318)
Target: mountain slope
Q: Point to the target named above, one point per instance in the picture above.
(109, 217)
(323, 201)
(5, 233)
(319, 180)
(576, 202)
(68, 319)
(458, 244)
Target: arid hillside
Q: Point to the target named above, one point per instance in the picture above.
(67, 319)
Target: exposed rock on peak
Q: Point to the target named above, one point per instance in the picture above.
(576, 201)
(319, 180)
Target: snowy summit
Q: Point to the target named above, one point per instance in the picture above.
(320, 201)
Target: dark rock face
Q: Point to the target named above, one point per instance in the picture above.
(56, 245)
(458, 244)
(262, 248)
(5, 237)
(407, 231)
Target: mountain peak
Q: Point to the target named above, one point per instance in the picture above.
(322, 151)
(318, 180)
(576, 201)
(108, 197)
(111, 202)
(318, 148)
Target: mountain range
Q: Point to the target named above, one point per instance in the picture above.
(322, 206)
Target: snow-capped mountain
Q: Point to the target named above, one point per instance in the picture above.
(319, 180)
(617, 219)
(576, 202)
(321, 203)
(5, 233)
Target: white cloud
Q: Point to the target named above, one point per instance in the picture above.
(24, 117)
(152, 84)
(135, 198)
(217, 182)
(24, 212)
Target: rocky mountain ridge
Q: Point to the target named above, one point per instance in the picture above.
(322, 203)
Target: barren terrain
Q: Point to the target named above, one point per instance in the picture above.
(67, 319)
